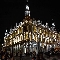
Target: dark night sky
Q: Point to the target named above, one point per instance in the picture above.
(12, 12)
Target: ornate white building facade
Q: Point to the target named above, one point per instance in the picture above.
(31, 34)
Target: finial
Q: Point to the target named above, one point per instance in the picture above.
(27, 0)
(6, 30)
(53, 24)
(16, 25)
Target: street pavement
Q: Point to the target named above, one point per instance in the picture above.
(51, 57)
(23, 58)
(30, 58)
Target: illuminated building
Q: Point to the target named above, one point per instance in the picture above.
(31, 34)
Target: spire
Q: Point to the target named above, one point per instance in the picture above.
(27, 11)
